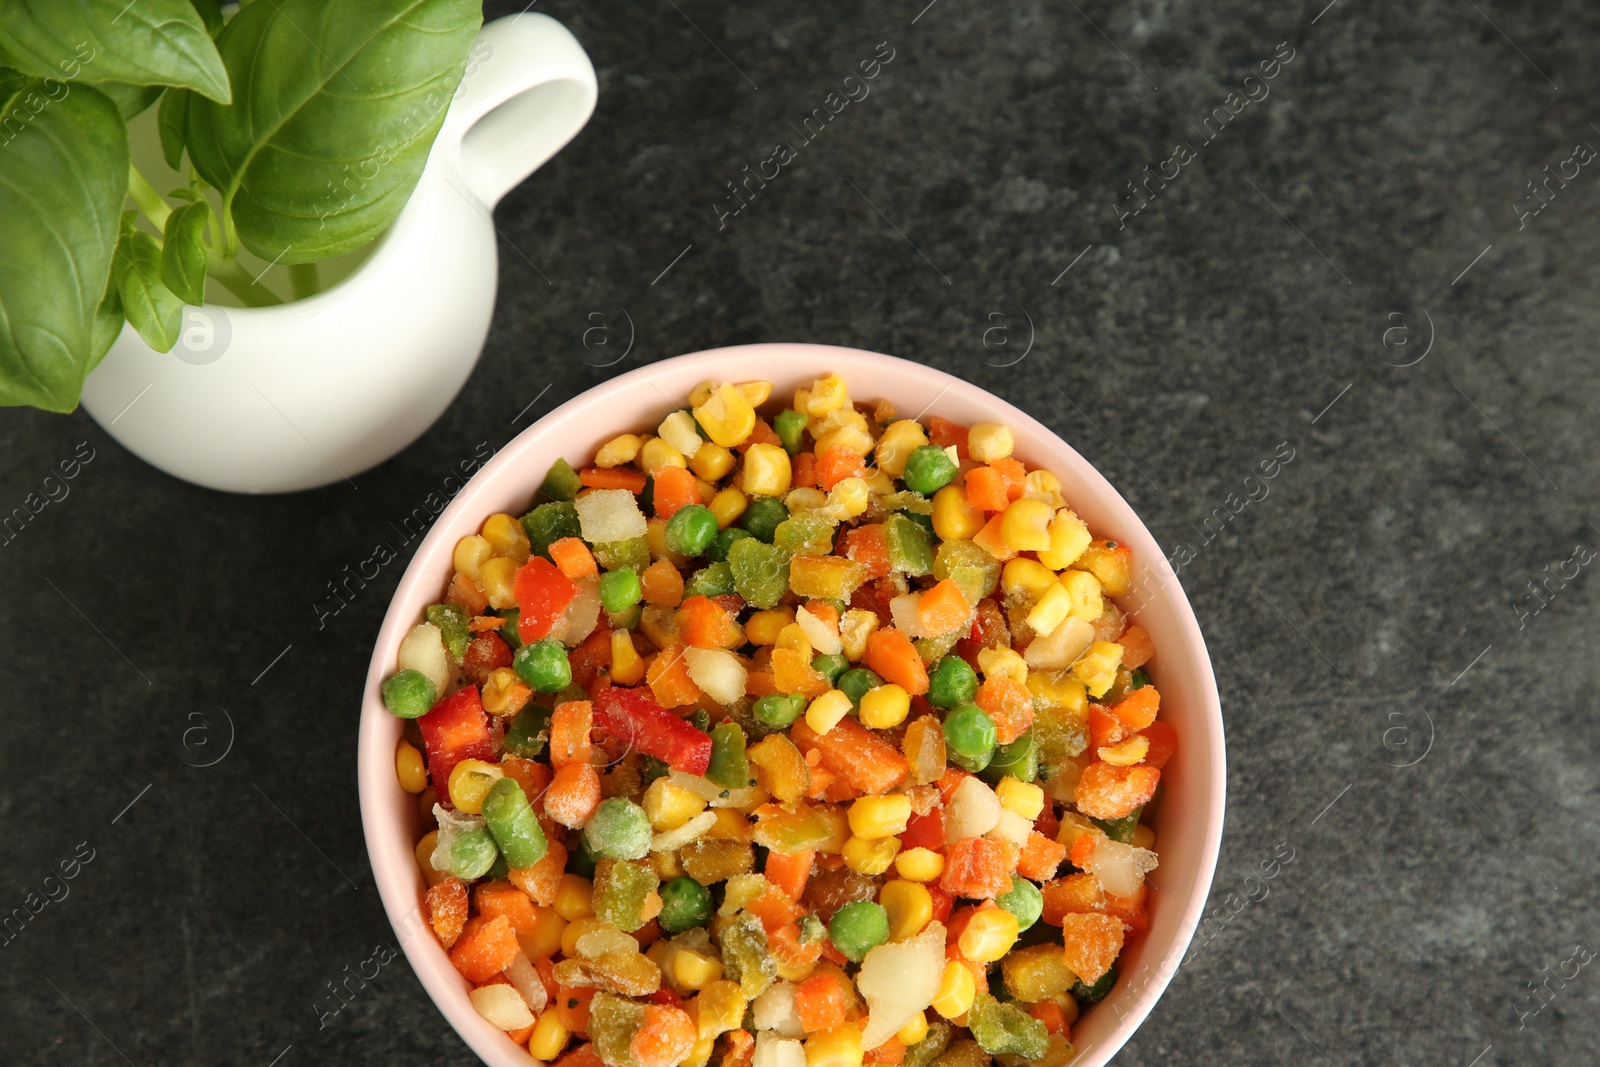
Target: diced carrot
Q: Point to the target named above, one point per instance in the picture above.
(1163, 743)
(1009, 704)
(662, 584)
(985, 489)
(531, 775)
(1108, 792)
(1049, 1013)
(741, 1047)
(990, 540)
(944, 608)
(944, 433)
(481, 623)
(759, 683)
(520, 1036)
(790, 872)
(465, 591)
(665, 1039)
(792, 673)
(890, 1054)
(826, 612)
(446, 905)
(837, 464)
(821, 1002)
(1083, 847)
(703, 623)
(1074, 894)
(591, 660)
(573, 795)
(1138, 709)
(784, 944)
(950, 781)
(583, 1055)
(1137, 649)
(975, 867)
(573, 558)
(486, 947)
(840, 791)
(541, 881)
(650, 932)
(868, 546)
(570, 725)
(612, 478)
(1092, 942)
(1040, 857)
(775, 908)
(668, 678)
(858, 755)
(803, 473)
(895, 658)
(1104, 727)
(504, 898)
(674, 489)
(1130, 909)
(572, 1007)
(763, 434)
(822, 781)
(1014, 474)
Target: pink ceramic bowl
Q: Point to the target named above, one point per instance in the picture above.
(1189, 825)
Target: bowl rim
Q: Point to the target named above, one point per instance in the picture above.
(393, 868)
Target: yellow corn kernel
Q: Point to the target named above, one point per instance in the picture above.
(727, 505)
(989, 935)
(1042, 485)
(1130, 752)
(1143, 837)
(757, 393)
(957, 988)
(855, 626)
(657, 626)
(878, 482)
(885, 706)
(669, 806)
(1024, 798)
(845, 428)
(954, 518)
(1103, 560)
(875, 817)
(766, 470)
(621, 449)
(989, 441)
(424, 852)
(678, 430)
(627, 666)
(1003, 663)
(1074, 826)
(702, 392)
(469, 783)
(1023, 577)
(705, 489)
(1058, 689)
(826, 394)
(1097, 668)
(574, 898)
(470, 553)
(1025, 526)
(504, 693)
(711, 462)
(1069, 536)
(542, 940)
(496, 576)
(694, 971)
(1051, 610)
(919, 864)
(700, 1053)
(578, 928)
(805, 499)
(914, 1030)
(719, 1008)
(668, 865)
(793, 637)
(507, 537)
(657, 453)
(549, 1037)
(899, 440)
(763, 627)
(1084, 590)
(409, 768)
(733, 825)
(726, 416)
(839, 1047)
(910, 908)
(850, 497)
(826, 711)
(870, 856)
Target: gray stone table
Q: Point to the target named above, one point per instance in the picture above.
(1273, 282)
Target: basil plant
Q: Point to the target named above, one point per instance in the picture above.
(305, 124)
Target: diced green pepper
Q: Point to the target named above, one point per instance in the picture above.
(760, 571)
(528, 733)
(745, 958)
(561, 482)
(1002, 1029)
(1121, 829)
(1140, 679)
(910, 546)
(718, 552)
(975, 572)
(620, 890)
(805, 534)
(452, 623)
(931, 1047)
(549, 523)
(713, 580)
(613, 1021)
(1019, 759)
(509, 631)
(633, 553)
(728, 767)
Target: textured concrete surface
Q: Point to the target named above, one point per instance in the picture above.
(1404, 714)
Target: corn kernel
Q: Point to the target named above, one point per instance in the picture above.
(766, 470)
(919, 864)
(1088, 603)
(884, 707)
(989, 935)
(876, 817)
(827, 394)
(845, 428)
(720, 1008)
(1004, 663)
(424, 853)
(954, 518)
(657, 453)
(627, 666)
(705, 489)
(899, 440)
(1097, 668)
(678, 430)
(497, 577)
(409, 768)
(1026, 577)
(728, 505)
(793, 637)
(1107, 562)
(914, 1030)
(763, 627)
(668, 865)
(621, 449)
(757, 393)
(1024, 798)
(826, 711)
(470, 553)
(910, 908)
(1130, 752)
(805, 499)
(1051, 610)
(542, 940)
(702, 392)
(849, 498)
(711, 462)
(878, 482)
(1042, 485)
(507, 537)
(469, 783)
(989, 441)
(855, 626)
(1058, 689)
(669, 806)
(574, 898)
(870, 856)
(731, 824)
(839, 1047)
(1143, 837)
(504, 693)
(957, 988)
(1025, 526)
(549, 1037)
(726, 416)
(694, 971)
(578, 928)
(1069, 536)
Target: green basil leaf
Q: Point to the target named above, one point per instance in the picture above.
(183, 253)
(210, 13)
(146, 42)
(153, 309)
(107, 326)
(63, 176)
(332, 137)
(130, 99)
(169, 121)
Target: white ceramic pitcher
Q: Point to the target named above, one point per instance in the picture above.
(276, 399)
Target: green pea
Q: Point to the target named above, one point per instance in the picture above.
(513, 825)
(715, 579)
(408, 694)
(691, 530)
(779, 709)
(761, 518)
(855, 682)
(684, 903)
(470, 854)
(619, 830)
(718, 552)
(969, 736)
(830, 665)
(1024, 901)
(858, 928)
(543, 665)
(929, 469)
(620, 590)
(952, 682)
(789, 426)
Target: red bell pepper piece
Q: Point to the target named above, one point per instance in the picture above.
(633, 714)
(456, 728)
(543, 594)
(925, 831)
